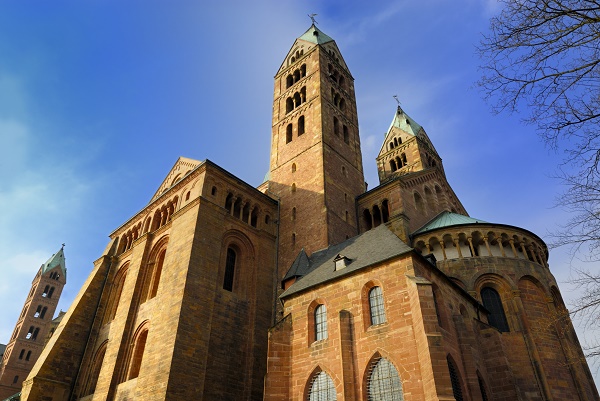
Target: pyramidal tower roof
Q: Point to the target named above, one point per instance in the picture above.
(315, 35)
(58, 259)
(405, 123)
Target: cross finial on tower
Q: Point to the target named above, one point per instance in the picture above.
(63, 245)
(397, 101)
(312, 18)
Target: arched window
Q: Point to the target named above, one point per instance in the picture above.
(92, 379)
(301, 125)
(336, 126)
(38, 311)
(45, 293)
(493, 303)
(288, 133)
(322, 388)
(21, 354)
(28, 355)
(51, 292)
(229, 269)
(376, 306)
(482, 389)
(346, 135)
(320, 322)
(289, 81)
(35, 333)
(29, 333)
(293, 213)
(296, 75)
(115, 294)
(293, 167)
(393, 165)
(289, 105)
(454, 379)
(297, 99)
(43, 312)
(254, 216)
(303, 70)
(303, 94)
(157, 271)
(139, 344)
(384, 382)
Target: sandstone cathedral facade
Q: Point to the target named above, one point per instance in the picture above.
(310, 286)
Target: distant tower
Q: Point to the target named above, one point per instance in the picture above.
(33, 325)
(316, 163)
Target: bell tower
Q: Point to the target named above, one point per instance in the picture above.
(316, 163)
(28, 338)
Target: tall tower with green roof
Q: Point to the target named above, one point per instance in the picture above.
(33, 325)
(316, 163)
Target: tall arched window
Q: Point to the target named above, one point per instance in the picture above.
(158, 266)
(454, 379)
(322, 388)
(376, 306)
(482, 389)
(493, 303)
(135, 363)
(289, 133)
(384, 382)
(115, 294)
(92, 379)
(229, 269)
(320, 322)
(301, 125)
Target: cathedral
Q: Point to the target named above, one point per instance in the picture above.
(312, 286)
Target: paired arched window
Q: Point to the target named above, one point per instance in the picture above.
(230, 262)
(376, 306)
(454, 379)
(493, 303)
(322, 388)
(320, 322)
(384, 382)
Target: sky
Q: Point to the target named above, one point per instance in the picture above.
(98, 99)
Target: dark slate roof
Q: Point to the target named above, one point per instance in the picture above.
(447, 219)
(367, 249)
(300, 267)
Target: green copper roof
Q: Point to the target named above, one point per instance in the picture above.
(315, 35)
(58, 259)
(446, 219)
(405, 123)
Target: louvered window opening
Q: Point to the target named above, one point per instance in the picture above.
(376, 306)
(455, 380)
(493, 303)
(320, 323)
(384, 382)
(322, 388)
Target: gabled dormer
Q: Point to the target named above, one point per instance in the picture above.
(406, 149)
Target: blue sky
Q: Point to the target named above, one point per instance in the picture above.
(99, 98)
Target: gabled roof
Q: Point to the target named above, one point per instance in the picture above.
(315, 35)
(58, 259)
(446, 219)
(182, 166)
(367, 249)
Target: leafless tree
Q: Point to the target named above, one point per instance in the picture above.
(542, 57)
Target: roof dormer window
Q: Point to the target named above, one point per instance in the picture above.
(341, 262)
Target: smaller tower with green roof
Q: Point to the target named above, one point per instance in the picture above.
(33, 325)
